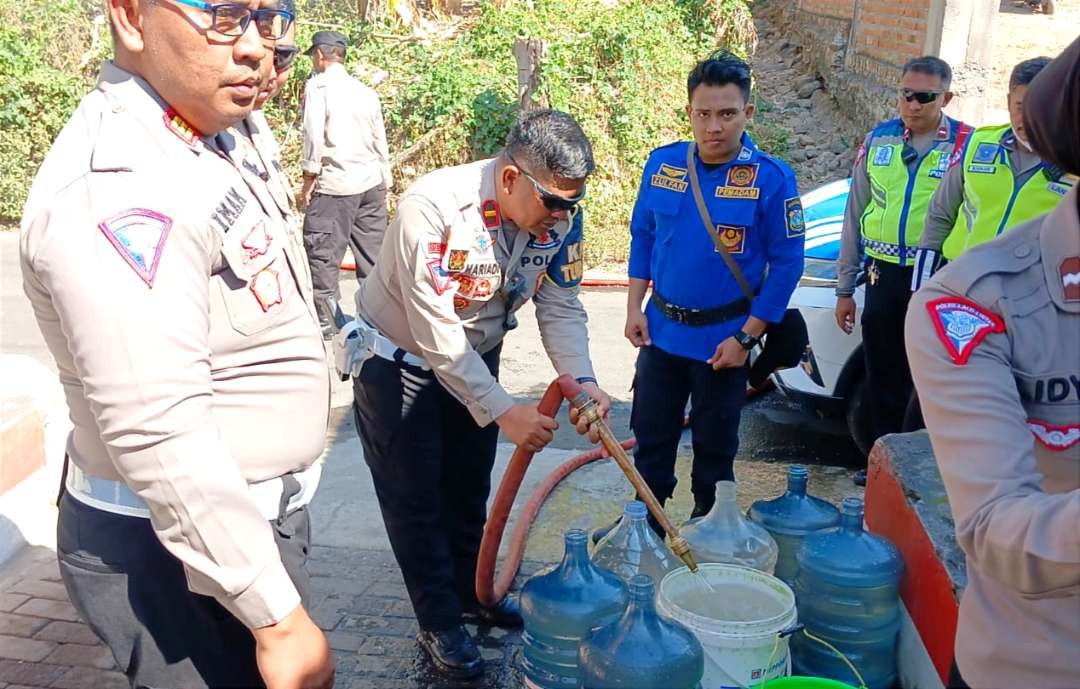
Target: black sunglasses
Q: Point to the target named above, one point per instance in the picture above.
(923, 97)
(284, 57)
(553, 202)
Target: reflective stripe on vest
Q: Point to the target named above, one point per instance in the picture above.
(992, 201)
(894, 218)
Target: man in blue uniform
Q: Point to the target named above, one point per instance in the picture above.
(697, 329)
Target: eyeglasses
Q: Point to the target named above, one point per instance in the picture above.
(923, 97)
(232, 19)
(553, 202)
(284, 56)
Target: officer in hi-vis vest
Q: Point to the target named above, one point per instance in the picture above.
(897, 171)
(993, 185)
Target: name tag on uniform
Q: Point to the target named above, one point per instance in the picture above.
(670, 177)
(1058, 188)
(982, 169)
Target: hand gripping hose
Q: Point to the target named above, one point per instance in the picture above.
(489, 589)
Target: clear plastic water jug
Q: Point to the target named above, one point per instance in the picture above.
(560, 605)
(642, 649)
(725, 535)
(790, 517)
(847, 593)
(633, 548)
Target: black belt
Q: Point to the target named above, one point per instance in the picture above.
(716, 314)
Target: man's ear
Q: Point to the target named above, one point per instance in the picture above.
(749, 111)
(947, 98)
(126, 18)
(509, 175)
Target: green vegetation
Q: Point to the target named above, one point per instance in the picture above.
(619, 67)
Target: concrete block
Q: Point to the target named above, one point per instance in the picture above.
(22, 441)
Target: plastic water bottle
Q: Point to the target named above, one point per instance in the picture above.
(725, 535)
(790, 517)
(560, 605)
(632, 547)
(642, 649)
(847, 592)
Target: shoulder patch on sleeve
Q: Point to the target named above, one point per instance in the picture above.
(961, 325)
(568, 264)
(794, 213)
(139, 236)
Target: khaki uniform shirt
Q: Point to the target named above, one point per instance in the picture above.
(994, 345)
(344, 136)
(448, 266)
(166, 287)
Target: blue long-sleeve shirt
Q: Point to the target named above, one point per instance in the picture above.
(754, 202)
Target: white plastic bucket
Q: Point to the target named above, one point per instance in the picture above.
(745, 649)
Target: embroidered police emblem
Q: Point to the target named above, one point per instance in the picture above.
(483, 242)
(794, 213)
(440, 279)
(267, 288)
(179, 126)
(547, 240)
(742, 175)
(257, 242)
(941, 168)
(669, 177)
(1055, 438)
(883, 155)
(458, 257)
(733, 238)
(985, 153)
(961, 325)
(139, 236)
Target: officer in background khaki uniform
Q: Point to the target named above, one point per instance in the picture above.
(346, 166)
(469, 245)
(994, 344)
(166, 285)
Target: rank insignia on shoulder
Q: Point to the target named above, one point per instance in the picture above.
(1054, 438)
(793, 211)
(489, 210)
(139, 236)
(670, 177)
(733, 237)
(267, 288)
(179, 126)
(1069, 270)
(883, 155)
(961, 325)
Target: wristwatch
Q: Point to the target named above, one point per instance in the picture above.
(747, 340)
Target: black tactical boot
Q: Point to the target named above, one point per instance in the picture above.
(452, 651)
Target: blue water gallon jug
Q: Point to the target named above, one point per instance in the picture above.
(847, 593)
(790, 517)
(642, 649)
(560, 605)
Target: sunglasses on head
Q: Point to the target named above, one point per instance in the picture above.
(923, 97)
(553, 202)
(284, 56)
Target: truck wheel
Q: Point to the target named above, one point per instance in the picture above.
(859, 421)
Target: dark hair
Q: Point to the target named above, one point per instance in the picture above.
(719, 69)
(1027, 70)
(334, 53)
(550, 140)
(934, 66)
(1052, 111)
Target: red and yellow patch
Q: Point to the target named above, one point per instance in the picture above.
(733, 237)
(179, 126)
(489, 210)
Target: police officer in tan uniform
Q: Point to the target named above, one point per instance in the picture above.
(469, 245)
(994, 344)
(166, 286)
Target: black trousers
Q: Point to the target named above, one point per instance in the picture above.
(887, 369)
(663, 383)
(431, 466)
(134, 595)
(331, 223)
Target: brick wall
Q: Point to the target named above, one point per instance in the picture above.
(858, 47)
